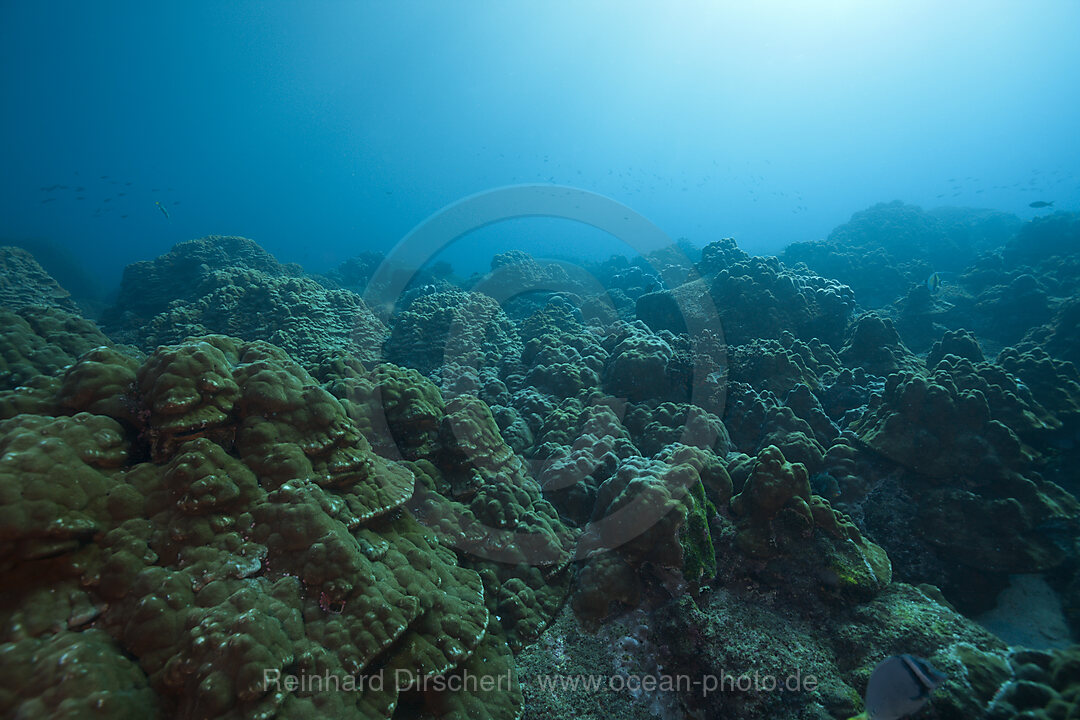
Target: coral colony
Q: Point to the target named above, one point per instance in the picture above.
(693, 484)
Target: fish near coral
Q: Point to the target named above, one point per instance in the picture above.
(899, 686)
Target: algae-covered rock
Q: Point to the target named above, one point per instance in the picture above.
(737, 635)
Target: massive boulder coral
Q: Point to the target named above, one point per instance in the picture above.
(480, 499)
(36, 341)
(1054, 384)
(686, 308)
(750, 297)
(1039, 684)
(295, 313)
(149, 286)
(1061, 336)
(761, 297)
(938, 430)
(398, 410)
(798, 540)
(579, 445)
(520, 283)
(778, 365)
(884, 249)
(1006, 312)
(970, 480)
(648, 536)
(653, 426)
(720, 254)
(468, 328)
(643, 365)
(233, 531)
(561, 356)
(961, 343)
(1042, 237)
(875, 346)
(757, 420)
(871, 274)
(231, 285)
(966, 418)
(24, 283)
(471, 488)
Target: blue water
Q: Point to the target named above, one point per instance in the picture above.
(322, 129)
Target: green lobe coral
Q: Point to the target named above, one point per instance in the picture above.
(798, 538)
(230, 521)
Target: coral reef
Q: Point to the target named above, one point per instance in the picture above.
(451, 326)
(36, 341)
(761, 298)
(884, 249)
(149, 287)
(562, 357)
(781, 364)
(548, 473)
(648, 533)
(230, 285)
(24, 283)
(961, 343)
(874, 346)
(241, 526)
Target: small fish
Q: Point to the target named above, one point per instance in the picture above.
(1041, 204)
(933, 283)
(162, 209)
(900, 686)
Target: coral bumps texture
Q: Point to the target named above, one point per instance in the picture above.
(249, 493)
(213, 512)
